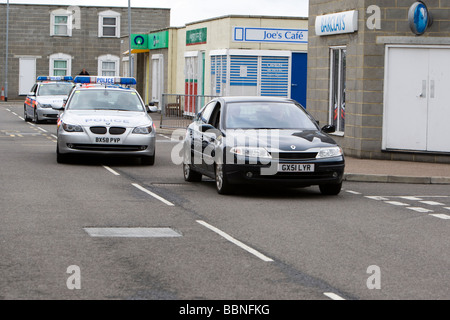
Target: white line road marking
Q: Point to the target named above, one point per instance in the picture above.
(112, 171)
(441, 216)
(154, 195)
(8, 110)
(448, 208)
(432, 203)
(397, 203)
(418, 209)
(377, 198)
(235, 241)
(352, 192)
(21, 118)
(54, 136)
(411, 198)
(43, 130)
(14, 113)
(333, 296)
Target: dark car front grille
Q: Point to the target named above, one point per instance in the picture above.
(98, 130)
(296, 155)
(117, 130)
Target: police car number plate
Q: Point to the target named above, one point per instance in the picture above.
(107, 140)
(295, 167)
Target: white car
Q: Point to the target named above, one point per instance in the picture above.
(105, 116)
(47, 92)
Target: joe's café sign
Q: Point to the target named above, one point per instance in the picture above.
(336, 23)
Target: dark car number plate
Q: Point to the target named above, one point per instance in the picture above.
(295, 167)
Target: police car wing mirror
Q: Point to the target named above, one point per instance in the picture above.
(59, 108)
(31, 93)
(152, 109)
(329, 128)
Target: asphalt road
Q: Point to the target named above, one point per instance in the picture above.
(374, 241)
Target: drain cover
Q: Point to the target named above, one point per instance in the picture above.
(132, 232)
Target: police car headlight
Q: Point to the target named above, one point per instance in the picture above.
(143, 130)
(72, 127)
(251, 152)
(42, 105)
(329, 152)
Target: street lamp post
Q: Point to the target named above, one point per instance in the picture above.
(129, 40)
(6, 58)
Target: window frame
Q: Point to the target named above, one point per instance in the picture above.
(108, 58)
(61, 13)
(60, 57)
(108, 14)
(337, 84)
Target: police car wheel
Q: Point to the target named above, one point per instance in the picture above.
(61, 158)
(36, 118)
(25, 115)
(148, 160)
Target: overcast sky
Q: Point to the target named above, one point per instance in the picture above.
(186, 11)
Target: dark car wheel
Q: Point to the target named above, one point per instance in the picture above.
(222, 184)
(191, 175)
(330, 189)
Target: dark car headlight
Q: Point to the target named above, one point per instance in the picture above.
(329, 152)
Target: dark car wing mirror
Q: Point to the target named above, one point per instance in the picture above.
(207, 128)
(329, 128)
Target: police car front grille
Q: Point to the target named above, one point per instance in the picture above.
(106, 147)
(98, 130)
(117, 130)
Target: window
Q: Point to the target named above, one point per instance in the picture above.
(108, 65)
(60, 64)
(338, 62)
(109, 24)
(61, 23)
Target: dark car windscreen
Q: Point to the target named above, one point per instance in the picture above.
(55, 89)
(122, 100)
(267, 115)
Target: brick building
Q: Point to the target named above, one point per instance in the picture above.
(62, 40)
(380, 71)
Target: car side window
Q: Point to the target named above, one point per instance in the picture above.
(206, 114)
(215, 116)
(34, 88)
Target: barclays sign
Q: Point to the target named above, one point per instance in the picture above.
(337, 23)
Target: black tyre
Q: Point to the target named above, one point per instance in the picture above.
(331, 189)
(60, 157)
(191, 175)
(148, 160)
(36, 118)
(222, 184)
(25, 114)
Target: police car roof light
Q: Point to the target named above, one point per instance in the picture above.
(105, 80)
(55, 78)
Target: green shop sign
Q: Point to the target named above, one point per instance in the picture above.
(139, 41)
(158, 40)
(197, 36)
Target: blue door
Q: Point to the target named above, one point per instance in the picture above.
(299, 77)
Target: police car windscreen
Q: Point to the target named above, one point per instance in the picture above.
(267, 115)
(55, 89)
(105, 100)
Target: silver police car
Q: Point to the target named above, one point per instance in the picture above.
(105, 116)
(46, 93)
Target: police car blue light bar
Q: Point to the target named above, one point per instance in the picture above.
(105, 80)
(55, 78)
